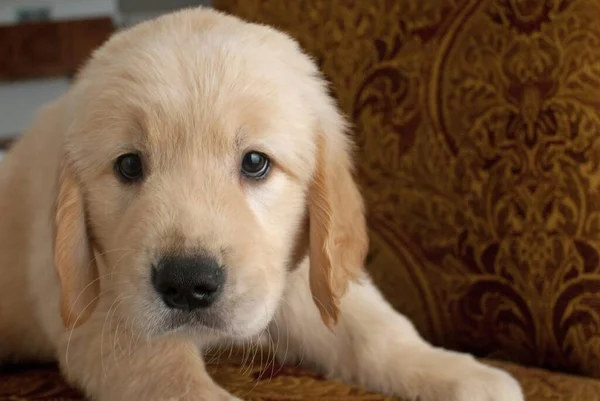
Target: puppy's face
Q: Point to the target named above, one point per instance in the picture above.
(198, 146)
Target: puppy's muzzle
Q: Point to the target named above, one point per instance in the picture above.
(188, 283)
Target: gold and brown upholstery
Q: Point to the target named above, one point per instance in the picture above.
(478, 132)
(277, 383)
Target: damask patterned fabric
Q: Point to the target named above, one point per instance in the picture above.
(478, 129)
(276, 383)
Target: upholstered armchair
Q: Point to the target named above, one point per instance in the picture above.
(478, 132)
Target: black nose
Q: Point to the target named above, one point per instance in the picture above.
(188, 283)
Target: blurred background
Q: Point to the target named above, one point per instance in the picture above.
(42, 43)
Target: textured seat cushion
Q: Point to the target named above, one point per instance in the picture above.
(278, 383)
(478, 126)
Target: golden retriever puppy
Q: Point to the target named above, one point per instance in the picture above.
(194, 187)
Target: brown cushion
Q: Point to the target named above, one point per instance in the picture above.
(291, 383)
(478, 130)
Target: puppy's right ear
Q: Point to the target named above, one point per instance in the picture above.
(73, 254)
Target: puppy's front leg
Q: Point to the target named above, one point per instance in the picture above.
(374, 346)
(117, 366)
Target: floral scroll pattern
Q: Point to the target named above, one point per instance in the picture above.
(478, 126)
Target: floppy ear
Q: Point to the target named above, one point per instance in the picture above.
(338, 234)
(73, 254)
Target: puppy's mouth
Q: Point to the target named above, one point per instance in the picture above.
(235, 318)
(206, 320)
(194, 294)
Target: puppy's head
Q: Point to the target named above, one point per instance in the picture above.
(201, 152)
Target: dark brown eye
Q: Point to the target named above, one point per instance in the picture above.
(255, 165)
(129, 167)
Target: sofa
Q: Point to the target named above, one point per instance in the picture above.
(477, 125)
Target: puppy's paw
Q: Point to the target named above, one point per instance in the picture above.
(457, 377)
(483, 383)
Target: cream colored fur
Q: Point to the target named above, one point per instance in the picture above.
(191, 91)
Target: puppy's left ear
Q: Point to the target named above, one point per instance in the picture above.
(338, 233)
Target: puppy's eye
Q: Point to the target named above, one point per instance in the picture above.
(129, 167)
(255, 165)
